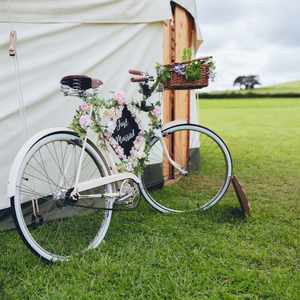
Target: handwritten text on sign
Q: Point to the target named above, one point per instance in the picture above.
(126, 131)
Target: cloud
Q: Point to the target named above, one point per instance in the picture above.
(252, 37)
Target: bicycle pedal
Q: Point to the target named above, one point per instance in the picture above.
(37, 220)
(129, 201)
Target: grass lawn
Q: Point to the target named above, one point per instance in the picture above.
(211, 255)
(292, 87)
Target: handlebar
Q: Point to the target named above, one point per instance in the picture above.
(138, 79)
(140, 76)
(136, 72)
(144, 80)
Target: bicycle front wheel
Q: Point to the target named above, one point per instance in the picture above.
(51, 225)
(197, 169)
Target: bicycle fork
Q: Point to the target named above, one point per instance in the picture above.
(171, 161)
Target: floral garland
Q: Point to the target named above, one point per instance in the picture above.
(103, 119)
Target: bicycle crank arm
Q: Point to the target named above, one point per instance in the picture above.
(124, 198)
(105, 195)
(88, 185)
(118, 198)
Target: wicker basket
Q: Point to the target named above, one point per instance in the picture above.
(179, 82)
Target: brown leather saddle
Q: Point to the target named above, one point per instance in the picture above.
(81, 82)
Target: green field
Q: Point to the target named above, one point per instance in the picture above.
(284, 90)
(293, 87)
(212, 255)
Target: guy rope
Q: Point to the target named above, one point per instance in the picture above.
(12, 51)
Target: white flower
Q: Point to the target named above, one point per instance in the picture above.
(141, 154)
(119, 151)
(129, 167)
(110, 126)
(108, 115)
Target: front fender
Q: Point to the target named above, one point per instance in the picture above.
(177, 123)
(174, 123)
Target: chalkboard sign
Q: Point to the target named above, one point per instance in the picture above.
(126, 131)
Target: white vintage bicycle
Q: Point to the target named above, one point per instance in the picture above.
(63, 188)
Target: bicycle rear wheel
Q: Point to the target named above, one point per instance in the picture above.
(200, 174)
(51, 225)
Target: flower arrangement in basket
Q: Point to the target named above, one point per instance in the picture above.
(189, 74)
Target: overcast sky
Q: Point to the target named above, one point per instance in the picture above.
(252, 37)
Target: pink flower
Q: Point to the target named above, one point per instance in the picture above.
(156, 112)
(120, 97)
(85, 106)
(133, 152)
(85, 121)
(139, 138)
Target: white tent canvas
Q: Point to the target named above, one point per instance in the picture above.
(100, 38)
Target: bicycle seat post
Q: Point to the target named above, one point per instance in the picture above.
(74, 193)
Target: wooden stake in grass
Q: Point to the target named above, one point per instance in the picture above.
(241, 195)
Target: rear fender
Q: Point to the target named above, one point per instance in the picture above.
(22, 152)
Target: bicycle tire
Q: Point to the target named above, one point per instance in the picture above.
(60, 229)
(217, 180)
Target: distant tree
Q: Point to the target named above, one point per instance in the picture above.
(247, 82)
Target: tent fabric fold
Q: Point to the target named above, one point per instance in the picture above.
(85, 11)
(193, 7)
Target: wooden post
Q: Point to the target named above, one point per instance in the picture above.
(168, 105)
(182, 98)
(178, 35)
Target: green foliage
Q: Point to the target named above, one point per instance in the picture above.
(76, 126)
(212, 69)
(163, 73)
(193, 71)
(187, 54)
